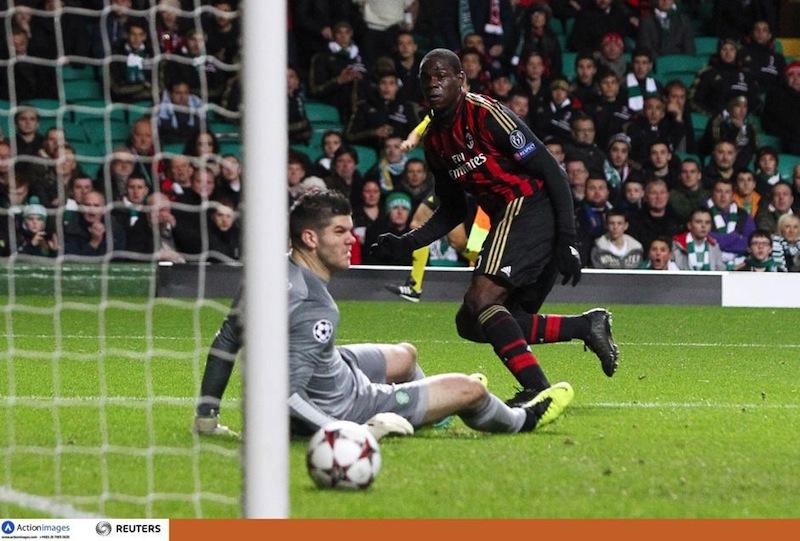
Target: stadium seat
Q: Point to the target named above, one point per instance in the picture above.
(778, 46)
(231, 148)
(77, 72)
(95, 109)
(46, 122)
(90, 168)
(139, 109)
(686, 77)
(173, 148)
(568, 64)
(322, 113)
(43, 105)
(75, 133)
(224, 130)
(767, 140)
(705, 45)
(367, 157)
(80, 90)
(418, 153)
(679, 63)
(686, 155)
(97, 132)
(5, 105)
(89, 149)
(699, 120)
(786, 163)
(6, 124)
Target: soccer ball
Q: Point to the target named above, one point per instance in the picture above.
(343, 455)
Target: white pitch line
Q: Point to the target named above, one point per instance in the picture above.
(179, 400)
(42, 504)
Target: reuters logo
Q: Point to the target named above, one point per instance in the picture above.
(103, 528)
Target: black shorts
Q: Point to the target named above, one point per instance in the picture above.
(520, 245)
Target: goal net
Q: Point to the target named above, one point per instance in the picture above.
(121, 178)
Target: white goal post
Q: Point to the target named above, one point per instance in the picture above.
(265, 464)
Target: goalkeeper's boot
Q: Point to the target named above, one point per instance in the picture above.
(548, 405)
(209, 426)
(405, 291)
(600, 340)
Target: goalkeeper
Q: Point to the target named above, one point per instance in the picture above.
(379, 385)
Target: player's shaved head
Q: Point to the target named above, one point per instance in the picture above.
(449, 57)
(315, 211)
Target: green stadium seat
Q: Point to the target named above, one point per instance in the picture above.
(6, 124)
(686, 77)
(418, 153)
(75, 133)
(305, 150)
(705, 45)
(322, 113)
(139, 109)
(568, 64)
(686, 156)
(786, 163)
(173, 148)
(230, 148)
(77, 72)
(79, 90)
(97, 132)
(767, 140)
(95, 109)
(367, 157)
(46, 122)
(679, 63)
(778, 46)
(5, 105)
(43, 105)
(700, 120)
(89, 149)
(90, 168)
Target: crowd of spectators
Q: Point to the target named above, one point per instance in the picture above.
(677, 157)
(161, 186)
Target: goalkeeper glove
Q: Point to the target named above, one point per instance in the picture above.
(388, 423)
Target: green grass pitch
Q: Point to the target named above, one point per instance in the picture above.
(700, 421)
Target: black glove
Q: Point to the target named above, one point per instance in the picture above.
(568, 259)
(390, 244)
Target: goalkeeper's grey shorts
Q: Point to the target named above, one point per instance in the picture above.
(409, 400)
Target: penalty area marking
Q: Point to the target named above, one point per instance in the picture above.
(42, 504)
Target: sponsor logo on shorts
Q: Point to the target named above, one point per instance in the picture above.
(402, 398)
(323, 331)
(521, 153)
(517, 139)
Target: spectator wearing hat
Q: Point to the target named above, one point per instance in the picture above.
(35, 240)
(722, 79)
(782, 112)
(760, 58)
(653, 125)
(619, 168)
(537, 36)
(639, 82)
(611, 54)
(595, 21)
(767, 173)
(732, 124)
(689, 195)
(610, 112)
(337, 74)
(553, 117)
(398, 211)
(584, 87)
(666, 30)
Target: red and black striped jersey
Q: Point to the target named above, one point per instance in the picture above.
(483, 150)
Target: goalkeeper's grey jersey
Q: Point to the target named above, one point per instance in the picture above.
(323, 387)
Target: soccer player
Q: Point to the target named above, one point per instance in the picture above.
(359, 383)
(476, 145)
